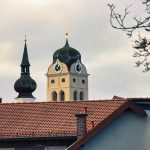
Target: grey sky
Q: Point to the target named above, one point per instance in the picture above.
(106, 52)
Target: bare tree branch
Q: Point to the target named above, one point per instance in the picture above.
(142, 44)
(117, 20)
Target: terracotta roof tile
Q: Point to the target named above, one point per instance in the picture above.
(51, 119)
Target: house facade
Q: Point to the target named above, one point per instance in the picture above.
(126, 132)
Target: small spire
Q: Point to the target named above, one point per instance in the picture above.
(66, 35)
(25, 60)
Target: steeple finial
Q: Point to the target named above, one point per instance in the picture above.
(66, 35)
(25, 59)
(25, 38)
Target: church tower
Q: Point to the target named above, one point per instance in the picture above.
(25, 85)
(67, 77)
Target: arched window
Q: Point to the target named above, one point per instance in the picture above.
(63, 80)
(75, 95)
(74, 80)
(24, 69)
(81, 95)
(62, 95)
(83, 81)
(54, 96)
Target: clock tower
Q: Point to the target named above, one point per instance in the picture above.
(67, 77)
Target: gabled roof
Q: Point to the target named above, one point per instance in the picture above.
(55, 119)
(105, 122)
(143, 102)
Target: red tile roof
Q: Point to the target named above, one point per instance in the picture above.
(51, 119)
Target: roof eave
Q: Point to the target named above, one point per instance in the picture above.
(37, 138)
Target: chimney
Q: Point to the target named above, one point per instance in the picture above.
(0, 100)
(92, 124)
(85, 109)
(81, 124)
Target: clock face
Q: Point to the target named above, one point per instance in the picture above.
(57, 67)
(78, 67)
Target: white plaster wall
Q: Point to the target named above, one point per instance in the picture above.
(127, 132)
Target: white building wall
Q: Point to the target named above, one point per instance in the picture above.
(127, 132)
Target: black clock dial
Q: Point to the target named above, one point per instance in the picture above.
(57, 67)
(78, 67)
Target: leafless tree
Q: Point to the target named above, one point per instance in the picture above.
(142, 44)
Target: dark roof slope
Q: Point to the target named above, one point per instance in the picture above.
(52, 119)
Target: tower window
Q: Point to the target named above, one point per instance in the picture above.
(63, 80)
(81, 95)
(74, 80)
(25, 70)
(62, 95)
(52, 81)
(83, 81)
(54, 96)
(75, 95)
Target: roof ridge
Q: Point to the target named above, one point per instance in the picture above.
(46, 116)
(78, 101)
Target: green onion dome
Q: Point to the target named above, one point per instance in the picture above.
(67, 55)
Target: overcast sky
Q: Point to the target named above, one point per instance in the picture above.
(106, 52)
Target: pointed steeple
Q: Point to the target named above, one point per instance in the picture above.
(25, 85)
(25, 65)
(25, 60)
